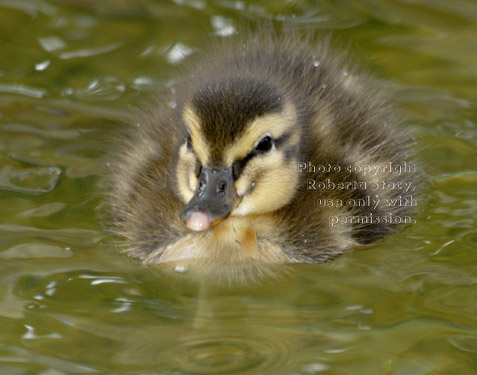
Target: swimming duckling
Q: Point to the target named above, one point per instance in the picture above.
(219, 175)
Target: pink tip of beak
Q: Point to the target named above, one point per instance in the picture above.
(198, 221)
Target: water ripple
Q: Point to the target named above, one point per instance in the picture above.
(465, 343)
(32, 92)
(38, 180)
(72, 236)
(89, 51)
(29, 7)
(31, 250)
(63, 134)
(203, 352)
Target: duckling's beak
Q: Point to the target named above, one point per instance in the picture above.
(213, 200)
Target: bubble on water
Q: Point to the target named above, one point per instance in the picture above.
(42, 65)
(178, 52)
(223, 26)
(52, 43)
(313, 368)
(51, 288)
(180, 268)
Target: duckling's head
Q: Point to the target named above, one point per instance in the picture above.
(240, 152)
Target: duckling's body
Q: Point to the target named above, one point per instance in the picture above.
(217, 175)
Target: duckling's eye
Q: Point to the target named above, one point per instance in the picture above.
(265, 144)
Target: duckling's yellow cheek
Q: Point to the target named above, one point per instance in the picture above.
(266, 185)
(201, 148)
(244, 185)
(193, 181)
(185, 176)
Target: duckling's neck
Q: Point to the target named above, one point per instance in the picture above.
(236, 239)
(237, 232)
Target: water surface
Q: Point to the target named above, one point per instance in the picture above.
(71, 72)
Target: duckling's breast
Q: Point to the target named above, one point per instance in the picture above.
(235, 240)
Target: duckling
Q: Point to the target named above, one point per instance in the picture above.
(219, 176)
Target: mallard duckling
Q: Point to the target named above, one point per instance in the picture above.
(229, 171)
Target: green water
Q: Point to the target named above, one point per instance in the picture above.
(69, 304)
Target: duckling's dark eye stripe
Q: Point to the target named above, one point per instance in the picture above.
(282, 139)
(198, 168)
(189, 143)
(239, 165)
(289, 152)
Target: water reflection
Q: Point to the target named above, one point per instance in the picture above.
(20, 89)
(225, 334)
(89, 52)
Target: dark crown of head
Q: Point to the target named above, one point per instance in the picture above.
(226, 107)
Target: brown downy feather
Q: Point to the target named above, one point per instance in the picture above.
(339, 118)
